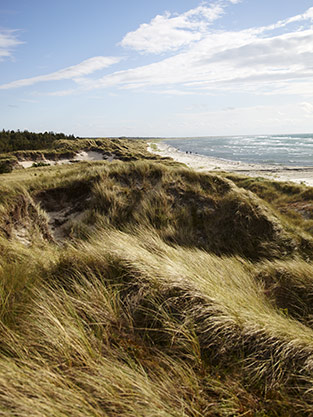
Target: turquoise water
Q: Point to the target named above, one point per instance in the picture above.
(292, 150)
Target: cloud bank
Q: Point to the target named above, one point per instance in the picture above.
(274, 59)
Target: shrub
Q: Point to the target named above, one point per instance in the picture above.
(6, 166)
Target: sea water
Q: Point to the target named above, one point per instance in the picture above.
(288, 150)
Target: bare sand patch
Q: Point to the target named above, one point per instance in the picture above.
(88, 156)
(60, 221)
(64, 206)
(80, 156)
(300, 175)
(26, 164)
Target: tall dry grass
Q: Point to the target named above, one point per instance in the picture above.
(176, 294)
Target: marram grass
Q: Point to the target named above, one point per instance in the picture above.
(168, 293)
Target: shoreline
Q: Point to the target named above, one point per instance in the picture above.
(297, 174)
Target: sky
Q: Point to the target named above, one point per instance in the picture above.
(157, 68)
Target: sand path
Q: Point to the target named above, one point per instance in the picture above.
(299, 175)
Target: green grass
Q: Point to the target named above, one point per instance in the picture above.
(154, 147)
(153, 291)
(293, 201)
(123, 149)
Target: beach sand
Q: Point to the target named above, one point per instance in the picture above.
(300, 175)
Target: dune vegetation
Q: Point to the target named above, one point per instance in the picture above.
(139, 287)
(37, 147)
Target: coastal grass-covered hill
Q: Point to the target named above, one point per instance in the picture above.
(17, 147)
(138, 287)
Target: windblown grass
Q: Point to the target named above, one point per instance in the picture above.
(175, 293)
(186, 208)
(293, 201)
(122, 149)
(127, 325)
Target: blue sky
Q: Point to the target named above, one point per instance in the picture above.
(157, 68)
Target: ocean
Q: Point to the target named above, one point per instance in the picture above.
(287, 150)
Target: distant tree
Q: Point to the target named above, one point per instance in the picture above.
(16, 141)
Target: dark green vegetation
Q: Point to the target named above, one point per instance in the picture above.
(11, 140)
(138, 287)
(20, 146)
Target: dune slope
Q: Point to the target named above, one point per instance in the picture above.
(143, 288)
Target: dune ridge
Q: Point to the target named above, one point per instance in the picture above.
(141, 287)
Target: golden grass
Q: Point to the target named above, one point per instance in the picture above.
(294, 202)
(127, 325)
(175, 294)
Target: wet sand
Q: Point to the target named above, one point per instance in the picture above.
(300, 175)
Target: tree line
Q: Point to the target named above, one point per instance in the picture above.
(11, 140)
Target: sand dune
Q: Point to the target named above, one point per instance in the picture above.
(81, 156)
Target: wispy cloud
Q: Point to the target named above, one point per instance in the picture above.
(61, 93)
(252, 59)
(74, 72)
(8, 41)
(273, 59)
(169, 32)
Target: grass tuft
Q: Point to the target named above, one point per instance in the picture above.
(141, 288)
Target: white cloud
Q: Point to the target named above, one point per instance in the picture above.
(7, 42)
(232, 58)
(258, 59)
(74, 72)
(274, 59)
(168, 33)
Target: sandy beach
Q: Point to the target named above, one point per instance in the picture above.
(300, 175)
